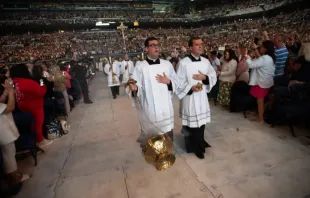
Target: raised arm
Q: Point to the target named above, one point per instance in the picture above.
(260, 62)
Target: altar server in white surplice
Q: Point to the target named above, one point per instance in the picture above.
(156, 81)
(127, 69)
(194, 105)
(113, 72)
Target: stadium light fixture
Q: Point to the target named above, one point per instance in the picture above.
(102, 24)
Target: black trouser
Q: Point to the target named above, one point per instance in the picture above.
(121, 78)
(84, 87)
(49, 110)
(195, 142)
(214, 91)
(283, 94)
(115, 91)
(281, 80)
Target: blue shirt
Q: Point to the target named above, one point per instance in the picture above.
(281, 56)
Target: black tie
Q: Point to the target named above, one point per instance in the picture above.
(153, 62)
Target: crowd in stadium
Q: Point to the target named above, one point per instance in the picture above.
(32, 62)
(22, 48)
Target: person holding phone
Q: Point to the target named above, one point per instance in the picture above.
(8, 135)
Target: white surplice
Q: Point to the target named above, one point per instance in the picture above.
(127, 72)
(100, 66)
(116, 70)
(194, 108)
(156, 115)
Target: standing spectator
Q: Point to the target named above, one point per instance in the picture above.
(227, 77)
(80, 74)
(8, 135)
(242, 73)
(30, 98)
(60, 86)
(281, 54)
(216, 64)
(262, 73)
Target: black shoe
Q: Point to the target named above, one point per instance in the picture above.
(114, 97)
(200, 155)
(88, 102)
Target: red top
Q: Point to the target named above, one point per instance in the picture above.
(68, 77)
(29, 93)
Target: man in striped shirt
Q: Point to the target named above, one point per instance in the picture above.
(281, 53)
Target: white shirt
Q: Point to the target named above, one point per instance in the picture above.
(228, 72)
(216, 63)
(262, 72)
(9, 132)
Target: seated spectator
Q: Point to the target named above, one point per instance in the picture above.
(8, 135)
(261, 78)
(299, 75)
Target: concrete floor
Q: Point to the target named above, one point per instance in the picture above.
(100, 158)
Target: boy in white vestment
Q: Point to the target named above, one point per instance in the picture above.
(113, 72)
(194, 105)
(156, 80)
(127, 68)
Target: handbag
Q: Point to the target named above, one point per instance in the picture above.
(54, 129)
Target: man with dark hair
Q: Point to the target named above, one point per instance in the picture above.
(197, 77)
(192, 39)
(80, 73)
(148, 40)
(156, 80)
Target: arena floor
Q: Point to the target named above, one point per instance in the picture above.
(100, 158)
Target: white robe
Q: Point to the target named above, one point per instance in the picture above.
(194, 108)
(138, 62)
(116, 70)
(100, 66)
(155, 98)
(127, 71)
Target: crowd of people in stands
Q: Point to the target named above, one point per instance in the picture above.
(22, 48)
(129, 15)
(40, 95)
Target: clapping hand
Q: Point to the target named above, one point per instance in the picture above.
(8, 85)
(253, 45)
(199, 76)
(163, 79)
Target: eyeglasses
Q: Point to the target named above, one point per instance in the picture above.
(154, 45)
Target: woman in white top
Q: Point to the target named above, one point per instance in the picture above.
(227, 77)
(261, 78)
(8, 135)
